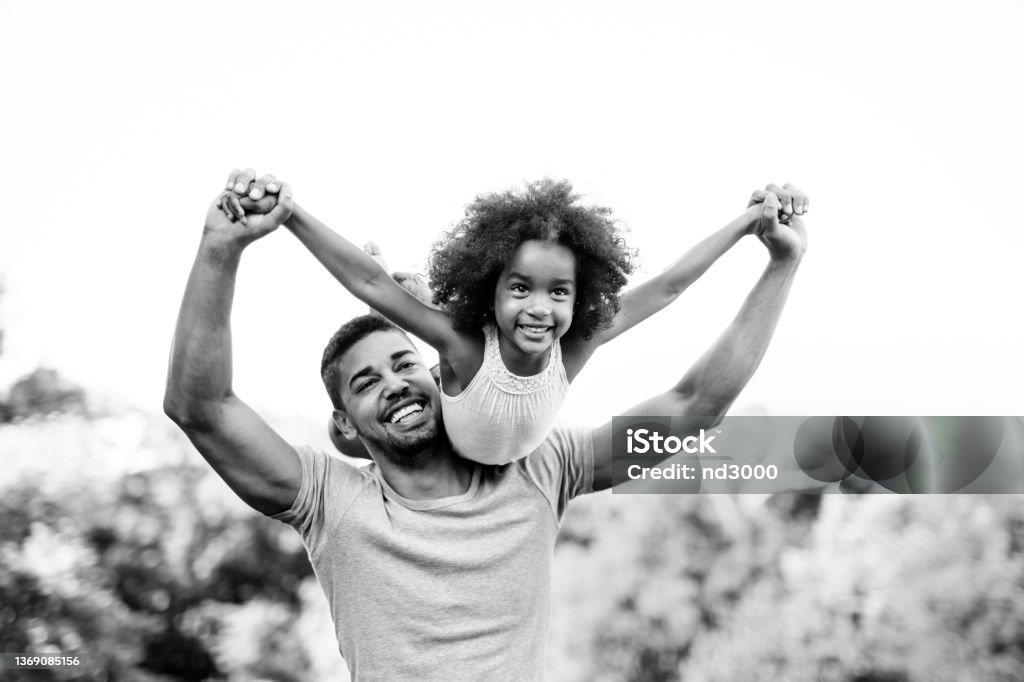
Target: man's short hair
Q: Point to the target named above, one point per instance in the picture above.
(348, 335)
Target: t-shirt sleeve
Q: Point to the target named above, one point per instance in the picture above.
(563, 466)
(328, 487)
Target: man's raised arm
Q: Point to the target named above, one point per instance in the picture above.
(251, 457)
(709, 387)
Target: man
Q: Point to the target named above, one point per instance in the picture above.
(435, 567)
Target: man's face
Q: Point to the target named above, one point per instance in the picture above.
(389, 397)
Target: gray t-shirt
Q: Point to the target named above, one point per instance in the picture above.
(457, 588)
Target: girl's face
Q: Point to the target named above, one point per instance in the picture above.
(533, 302)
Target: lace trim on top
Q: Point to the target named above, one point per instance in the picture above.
(513, 383)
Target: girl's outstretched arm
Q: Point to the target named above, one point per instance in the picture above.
(639, 303)
(648, 298)
(363, 276)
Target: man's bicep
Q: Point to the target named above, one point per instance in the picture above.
(687, 413)
(252, 458)
(602, 437)
(660, 405)
(563, 466)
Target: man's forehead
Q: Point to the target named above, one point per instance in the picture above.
(375, 349)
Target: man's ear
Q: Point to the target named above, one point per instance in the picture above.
(341, 420)
(350, 447)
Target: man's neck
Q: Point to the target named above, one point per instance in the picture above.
(441, 473)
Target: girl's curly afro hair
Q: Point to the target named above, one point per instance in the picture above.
(465, 264)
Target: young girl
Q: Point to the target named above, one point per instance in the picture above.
(528, 287)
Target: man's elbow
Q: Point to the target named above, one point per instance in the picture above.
(178, 412)
(705, 404)
(189, 415)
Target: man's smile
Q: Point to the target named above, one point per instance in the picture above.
(405, 412)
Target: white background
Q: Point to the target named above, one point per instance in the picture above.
(901, 120)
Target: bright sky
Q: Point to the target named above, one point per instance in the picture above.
(901, 121)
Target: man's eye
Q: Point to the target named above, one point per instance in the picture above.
(365, 385)
(406, 365)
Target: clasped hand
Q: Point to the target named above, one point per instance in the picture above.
(249, 207)
(776, 218)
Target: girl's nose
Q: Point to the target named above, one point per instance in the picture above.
(538, 309)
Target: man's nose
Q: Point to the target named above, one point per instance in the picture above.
(395, 386)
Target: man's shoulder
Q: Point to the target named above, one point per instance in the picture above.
(320, 464)
(567, 440)
(564, 463)
(329, 485)
(563, 443)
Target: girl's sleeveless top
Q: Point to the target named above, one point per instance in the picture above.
(501, 417)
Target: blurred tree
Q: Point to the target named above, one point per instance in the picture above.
(131, 570)
(886, 588)
(159, 574)
(4, 414)
(1, 325)
(715, 589)
(44, 391)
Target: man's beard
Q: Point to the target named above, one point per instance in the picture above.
(410, 450)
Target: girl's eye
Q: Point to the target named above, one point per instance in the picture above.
(561, 292)
(518, 288)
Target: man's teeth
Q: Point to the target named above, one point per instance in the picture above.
(405, 412)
